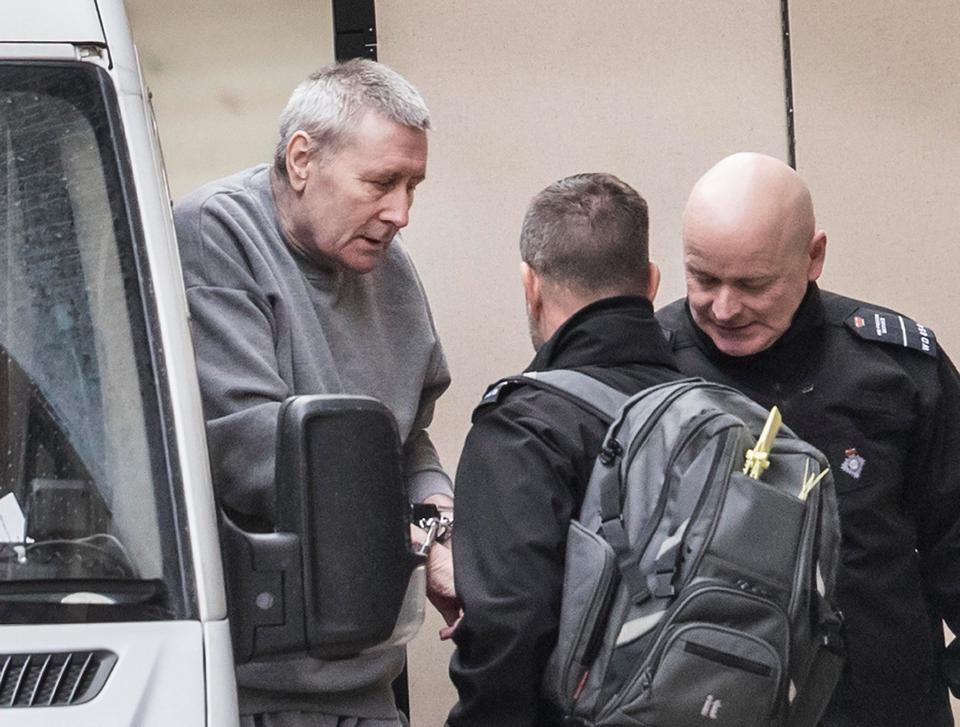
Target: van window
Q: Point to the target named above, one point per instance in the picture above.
(86, 513)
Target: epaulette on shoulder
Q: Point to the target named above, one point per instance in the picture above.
(495, 392)
(876, 324)
(678, 338)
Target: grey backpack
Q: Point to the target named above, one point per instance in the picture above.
(693, 593)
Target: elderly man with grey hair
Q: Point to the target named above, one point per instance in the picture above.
(298, 284)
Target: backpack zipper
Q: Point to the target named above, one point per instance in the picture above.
(651, 421)
(723, 455)
(811, 517)
(643, 540)
(597, 611)
(732, 660)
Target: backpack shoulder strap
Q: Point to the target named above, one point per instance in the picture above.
(824, 673)
(585, 391)
(592, 395)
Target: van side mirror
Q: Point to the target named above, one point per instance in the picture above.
(341, 489)
(338, 577)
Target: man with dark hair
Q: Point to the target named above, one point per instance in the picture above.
(588, 284)
(871, 389)
(298, 284)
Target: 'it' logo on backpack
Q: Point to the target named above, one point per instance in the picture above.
(711, 707)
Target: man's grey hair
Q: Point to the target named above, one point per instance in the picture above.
(589, 232)
(330, 101)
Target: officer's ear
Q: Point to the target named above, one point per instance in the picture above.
(532, 291)
(817, 251)
(300, 151)
(653, 280)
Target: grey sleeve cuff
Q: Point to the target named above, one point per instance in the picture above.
(428, 482)
(422, 468)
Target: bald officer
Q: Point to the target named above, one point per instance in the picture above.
(872, 390)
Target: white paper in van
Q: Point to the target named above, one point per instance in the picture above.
(12, 521)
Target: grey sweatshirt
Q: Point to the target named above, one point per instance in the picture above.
(269, 324)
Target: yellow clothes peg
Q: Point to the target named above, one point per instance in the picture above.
(809, 480)
(758, 458)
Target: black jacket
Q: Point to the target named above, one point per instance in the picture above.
(522, 475)
(886, 413)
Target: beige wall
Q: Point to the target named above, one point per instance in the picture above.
(524, 93)
(878, 139)
(220, 72)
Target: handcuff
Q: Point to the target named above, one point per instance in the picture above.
(438, 525)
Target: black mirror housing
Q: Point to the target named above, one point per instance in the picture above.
(340, 487)
(264, 590)
(333, 579)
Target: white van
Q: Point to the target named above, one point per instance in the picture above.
(112, 591)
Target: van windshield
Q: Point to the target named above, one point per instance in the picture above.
(86, 508)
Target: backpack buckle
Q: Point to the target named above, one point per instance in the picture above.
(610, 451)
(664, 570)
(663, 583)
(832, 633)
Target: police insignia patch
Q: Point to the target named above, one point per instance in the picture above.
(853, 463)
(887, 327)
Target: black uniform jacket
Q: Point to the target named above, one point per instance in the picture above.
(522, 475)
(870, 390)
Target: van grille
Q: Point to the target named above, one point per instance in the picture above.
(53, 679)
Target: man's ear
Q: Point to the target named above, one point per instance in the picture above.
(653, 280)
(818, 253)
(299, 154)
(532, 290)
